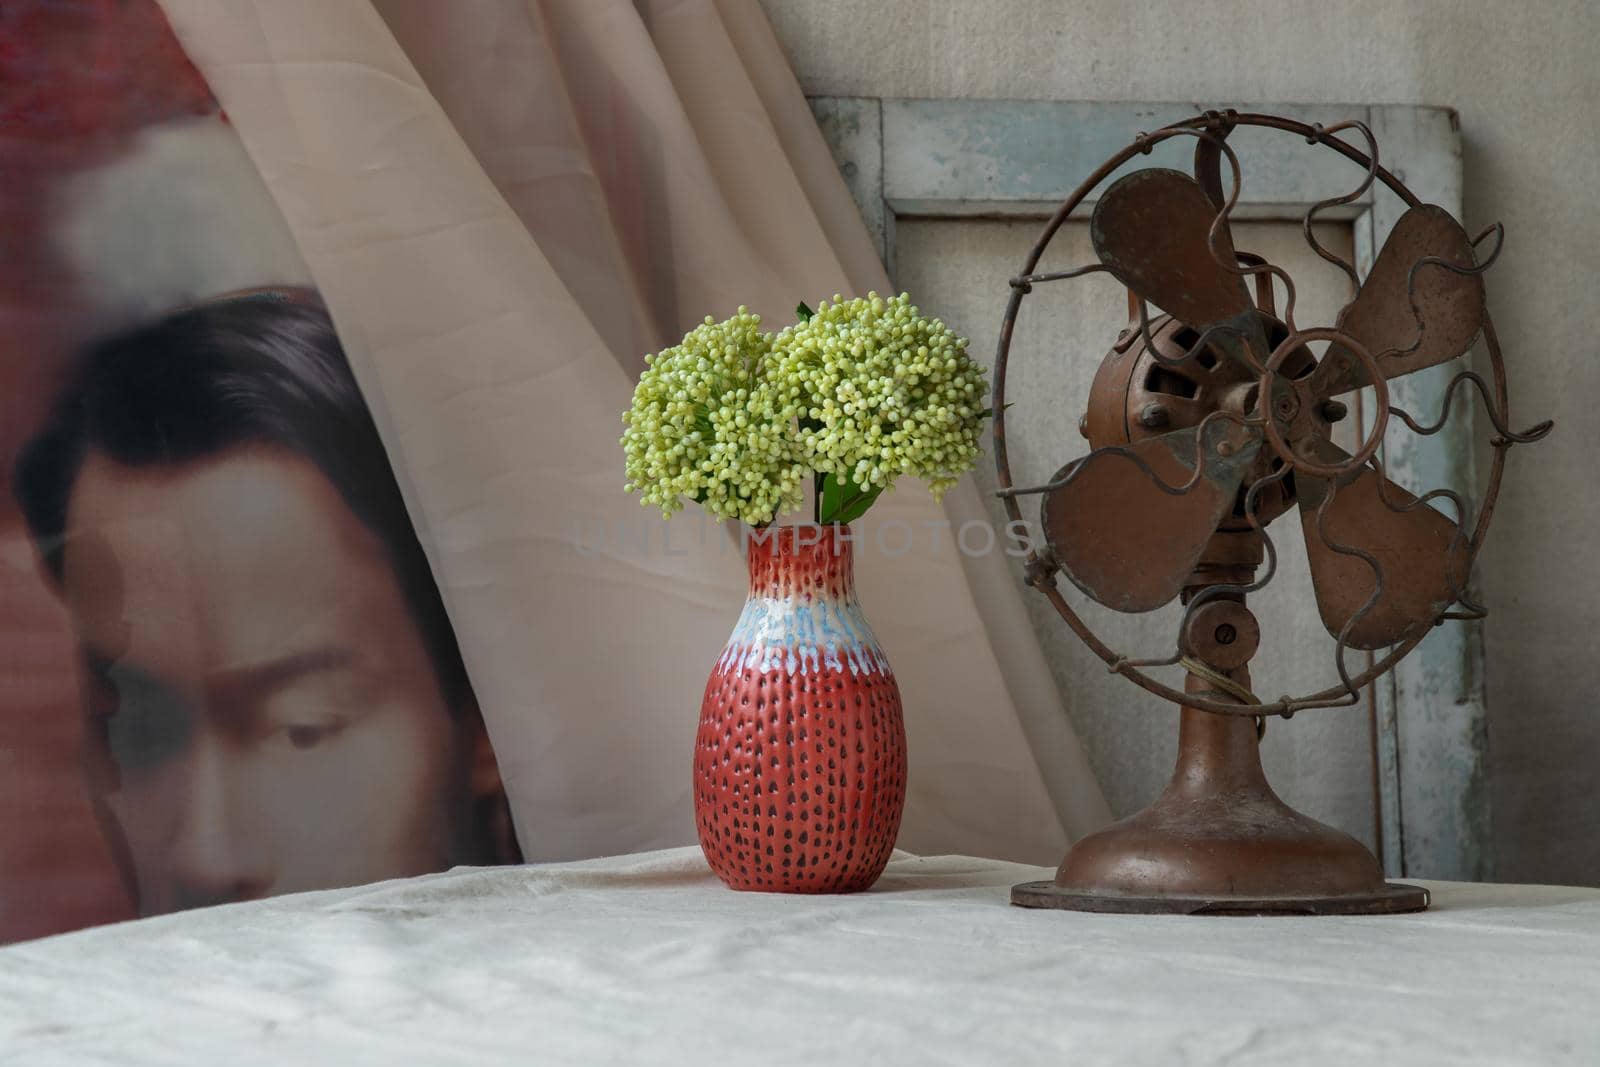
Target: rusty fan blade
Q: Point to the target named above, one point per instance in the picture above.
(1126, 541)
(1152, 230)
(1416, 548)
(1381, 315)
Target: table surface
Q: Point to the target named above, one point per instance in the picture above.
(648, 959)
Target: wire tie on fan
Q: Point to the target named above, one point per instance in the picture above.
(1227, 685)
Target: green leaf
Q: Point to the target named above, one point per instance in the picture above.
(816, 478)
(845, 501)
(804, 312)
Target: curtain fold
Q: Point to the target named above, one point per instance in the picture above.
(506, 203)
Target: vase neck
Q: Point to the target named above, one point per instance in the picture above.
(802, 616)
(801, 562)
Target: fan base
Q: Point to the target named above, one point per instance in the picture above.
(1393, 899)
(1219, 841)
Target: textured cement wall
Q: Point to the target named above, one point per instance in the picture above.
(1527, 85)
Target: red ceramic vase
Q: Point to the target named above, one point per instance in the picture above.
(800, 760)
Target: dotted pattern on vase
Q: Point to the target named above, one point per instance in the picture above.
(800, 758)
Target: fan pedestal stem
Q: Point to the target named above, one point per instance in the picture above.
(1217, 754)
(1219, 841)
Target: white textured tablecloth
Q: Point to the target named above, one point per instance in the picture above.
(647, 959)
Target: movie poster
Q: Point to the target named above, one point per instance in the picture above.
(225, 670)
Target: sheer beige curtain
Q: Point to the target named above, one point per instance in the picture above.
(506, 204)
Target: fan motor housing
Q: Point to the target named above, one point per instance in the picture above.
(1137, 396)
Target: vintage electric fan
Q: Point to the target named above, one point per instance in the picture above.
(1207, 421)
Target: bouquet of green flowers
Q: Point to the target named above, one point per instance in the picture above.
(853, 395)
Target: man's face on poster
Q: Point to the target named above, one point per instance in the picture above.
(263, 709)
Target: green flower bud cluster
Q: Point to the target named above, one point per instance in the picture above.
(883, 392)
(707, 425)
(864, 390)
